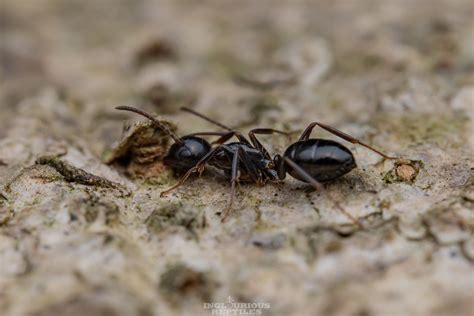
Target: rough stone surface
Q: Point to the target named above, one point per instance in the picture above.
(79, 236)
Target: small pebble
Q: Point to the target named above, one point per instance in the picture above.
(406, 172)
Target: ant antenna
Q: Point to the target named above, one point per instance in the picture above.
(206, 118)
(160, 125)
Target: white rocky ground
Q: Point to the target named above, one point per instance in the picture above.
(79, 236)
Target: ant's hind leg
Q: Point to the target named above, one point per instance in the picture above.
(318, 186)
(347, 137)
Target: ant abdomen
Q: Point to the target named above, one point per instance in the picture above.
(323, 159)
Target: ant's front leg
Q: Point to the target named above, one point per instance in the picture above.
(199, 167)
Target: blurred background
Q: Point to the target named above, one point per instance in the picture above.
(245, 63)
(399, 74)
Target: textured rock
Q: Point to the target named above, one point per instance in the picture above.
(83, 229)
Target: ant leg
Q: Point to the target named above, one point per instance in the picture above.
(250, 168)
(221, 140)
(347, 137)
(318, 186)
(184, 109)
(234, 179)
(180, 182)
(264, 131)
(224, 136)
(208, 134)
(199, 167)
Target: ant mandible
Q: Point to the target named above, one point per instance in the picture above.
(310, 160)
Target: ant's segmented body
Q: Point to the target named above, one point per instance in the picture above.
(310, 160)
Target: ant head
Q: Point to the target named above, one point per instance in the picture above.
(183, 156)
(186, 152)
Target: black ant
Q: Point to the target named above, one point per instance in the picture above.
(310, 160)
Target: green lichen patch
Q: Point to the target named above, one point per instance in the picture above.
(441, 129)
